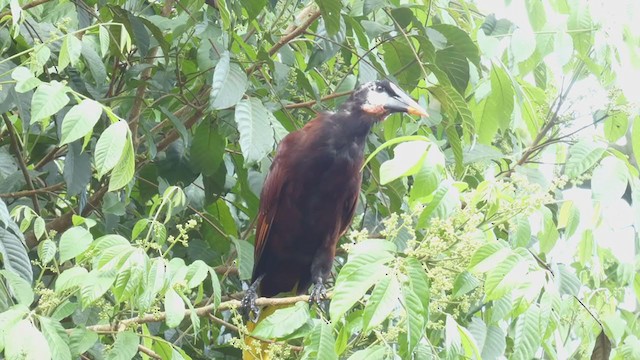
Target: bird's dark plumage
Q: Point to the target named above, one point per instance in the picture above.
(310, 195)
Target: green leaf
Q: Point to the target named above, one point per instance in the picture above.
(527, 334)
(125, 347)
(196, 273)
(635, 137)
(20, 288)
(25, 342)
(488, 255)
(256, 135)
(609, 180)
(330, 10)
(283, 322)
(320, 343)
(8, 319)
(94, 285)
(245, 258)
(372, 352)
(46, 250)
(504, 277)
(79, 120)
(81, 340)
(464, 283)
(351, 287)
(48, 99)
(582, 156)
(125, 168)
(568, 218)
(407, 160)
(381, 303)
(446, 199)
(414, 321)
(207, 149)
(174, 308)
(110, 147)
(522, 235)
(498, 107)
(453, 104)
(563, 48)
(459, 39)
(70, 278)
(70, 51)
(615, 126)
(523, 44)
(228, 85)
(77, 169)
(56, 337)
(566, 281)
(14, 253)
(548, 235)
(418, 281)
(74, 242)
(454, 63)
(25, 79)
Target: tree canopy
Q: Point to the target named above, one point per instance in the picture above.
(136, 135)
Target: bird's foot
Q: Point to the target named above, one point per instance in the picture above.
(319, 296)
(250, 311)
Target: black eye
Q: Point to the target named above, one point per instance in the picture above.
(379, 88)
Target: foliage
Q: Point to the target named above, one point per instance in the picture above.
(136, 136)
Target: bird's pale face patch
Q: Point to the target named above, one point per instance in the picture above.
(375, 101)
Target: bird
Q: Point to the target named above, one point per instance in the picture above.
(310, 194)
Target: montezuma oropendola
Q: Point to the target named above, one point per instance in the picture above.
(310, 195)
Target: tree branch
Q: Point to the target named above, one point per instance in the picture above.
(25, 7)
(19, 194)
(292, 34)
(203, 311)
(310, 103)
(23, 166)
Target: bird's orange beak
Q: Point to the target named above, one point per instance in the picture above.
(402, 102)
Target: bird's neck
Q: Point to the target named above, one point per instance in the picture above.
(354, 125)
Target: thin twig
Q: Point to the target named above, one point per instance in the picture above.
(23, 166)
(310, 103)
(145, 350)
(290, 36)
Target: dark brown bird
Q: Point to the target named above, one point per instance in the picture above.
(310, 195)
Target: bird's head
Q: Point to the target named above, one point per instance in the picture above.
(381, 98)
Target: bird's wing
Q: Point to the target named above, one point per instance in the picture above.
(273, 186)
(350, 207)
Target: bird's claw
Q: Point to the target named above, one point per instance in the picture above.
(250, 311)
(318, 294)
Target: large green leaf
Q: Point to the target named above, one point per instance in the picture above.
(499, 106)
(207, 148)
(407, 160)
(283, 322)
(125, 347)
(330, 10)
(610, 179)
(56, 337)
(48, 99)
(245, 258)
(228, 85)
(381, 303)
(125, 168)
(256, 135)
(454, 63)
(14, 253)
(582, 156)
(459, 40)
(320, 344)
(79, 120)
(74, 242)
(24, 341)
(527, 334)
(110, 147)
